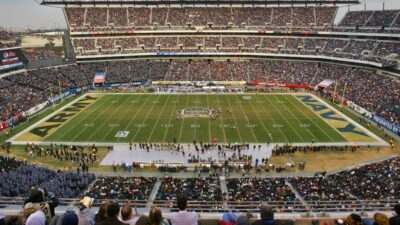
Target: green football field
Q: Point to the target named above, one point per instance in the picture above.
(274, 118)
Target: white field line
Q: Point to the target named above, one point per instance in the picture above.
(136, 113)
(44, 119)
(234, 119)
(380, 140)
(183, 120)
(170, 118)
(195, 127)
(159, 115)
(259, 119)
(127, 143)
(311, 120)
(209, 123)
(290, 111)
(147, 115)
(284, 118)
(220, 117)
(118, 120)
(116, 110)
(269, 115)
(80, 119)
(98, 116)
(248, 121)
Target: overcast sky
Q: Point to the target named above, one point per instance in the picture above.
(28, 13)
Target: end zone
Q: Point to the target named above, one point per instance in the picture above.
(49, 124)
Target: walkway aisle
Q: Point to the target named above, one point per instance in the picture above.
(153, 193)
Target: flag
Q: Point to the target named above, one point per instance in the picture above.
(325, 83)
(99, 78)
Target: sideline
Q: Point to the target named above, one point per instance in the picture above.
(44, 119)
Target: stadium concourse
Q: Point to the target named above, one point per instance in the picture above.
(290, 118)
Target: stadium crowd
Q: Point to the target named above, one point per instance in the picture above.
(224, 17)
(259, 189)
(195, 189)
(366, 50)
(127, 188)
(18, 177)
(40, 54)
(6, 39)
(370, 18)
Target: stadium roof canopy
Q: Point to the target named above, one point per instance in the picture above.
(196, 2)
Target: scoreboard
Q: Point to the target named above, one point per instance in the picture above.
(10, 59)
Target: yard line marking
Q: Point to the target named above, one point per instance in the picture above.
(269, 115)
(147, 115)
(248, 121)
(259, 118)
(159, 115)
(115, 111)
(170, 118)
(81, 119)
(222, 121)
(284, 118)
(336, 111)
(136, 113)
(95, 119)
(124, 115)
(290, 111)
(234, 119)
(195, 127)
(98, 116)
(183, 120)
(310, 119)
(209, 123)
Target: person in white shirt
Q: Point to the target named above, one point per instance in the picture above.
(183, 217)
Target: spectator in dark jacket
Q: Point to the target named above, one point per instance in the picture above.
(395, 220)
(267, 217)
(112, 213)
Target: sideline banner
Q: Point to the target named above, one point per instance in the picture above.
(297, 86)
(12, 121)
(35, 109)
(385, 123)
(360, 109)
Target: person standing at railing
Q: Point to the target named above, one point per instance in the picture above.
(267, 217)
(183, 217)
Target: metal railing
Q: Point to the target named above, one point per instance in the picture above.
(295, 206)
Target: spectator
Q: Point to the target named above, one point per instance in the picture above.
(156, 217)
(127, 215)
(354, 219)
(267, 217)
(2, 219)
(143, 220)
(70, 218)
(85, 214)
(59, 220)
(112, 213)
(183, 217)
(242, 220)
(228, 219)
(381, 219)
(395, 220)
(102, 213)
(36, 218)
(38, 200)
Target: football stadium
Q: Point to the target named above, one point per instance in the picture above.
(202, 112)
